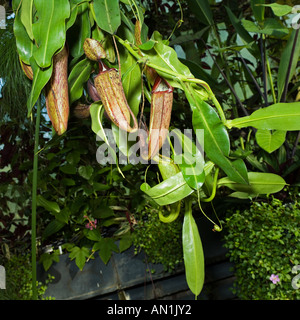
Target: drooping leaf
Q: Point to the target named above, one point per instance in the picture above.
(259, 183)
(279, 116)
(77, 78)
(96, 112)
(23, 42)
(270, 141)
(192, 252)
(80, 31)
(191, 161)
(48, 205)
(166, 57)
(40, 79)
(131, 80)
(169, 191)
(216, 139)
(107, 15)
(26, 16)
(50, 30)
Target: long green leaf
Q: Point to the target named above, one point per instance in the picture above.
(192, 252)
(279, 116)
(96, 112)
(23, 42)
(26, 16)
(49, 31)
(169, 191)
(40, 79)
(107, 15)
(48, 205)
(285, 61)
(166, 57)
(80, 31)
(216, 139)
(191, 162)
(201, 9)
(77, 78)
(131, 81)
(259, 183)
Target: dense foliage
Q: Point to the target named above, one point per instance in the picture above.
(234, 67)
(18, 280)
(264, 240)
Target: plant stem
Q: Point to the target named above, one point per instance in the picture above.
(34, 195)
(252, 77)
(271, 80)
(263, 64)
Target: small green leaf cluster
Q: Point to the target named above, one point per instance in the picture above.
(19, 280)
(160, 241)
(264, 240)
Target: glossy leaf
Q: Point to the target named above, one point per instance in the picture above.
(192, 252)
(166, 57)
(77, 78)
(279, 9)
(259, 183)
(279, 116)
(216, 139)
(107, 15)
(270, 141)
(40, 79)
(23, 42)
(96, 112)
(26, 16)
(49, 31)
(80, 31)
(48, 205)
(169, 191)
(191, 162)
(131, 80)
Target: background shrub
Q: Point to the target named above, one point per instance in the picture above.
(265, 240)
(19, 280)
